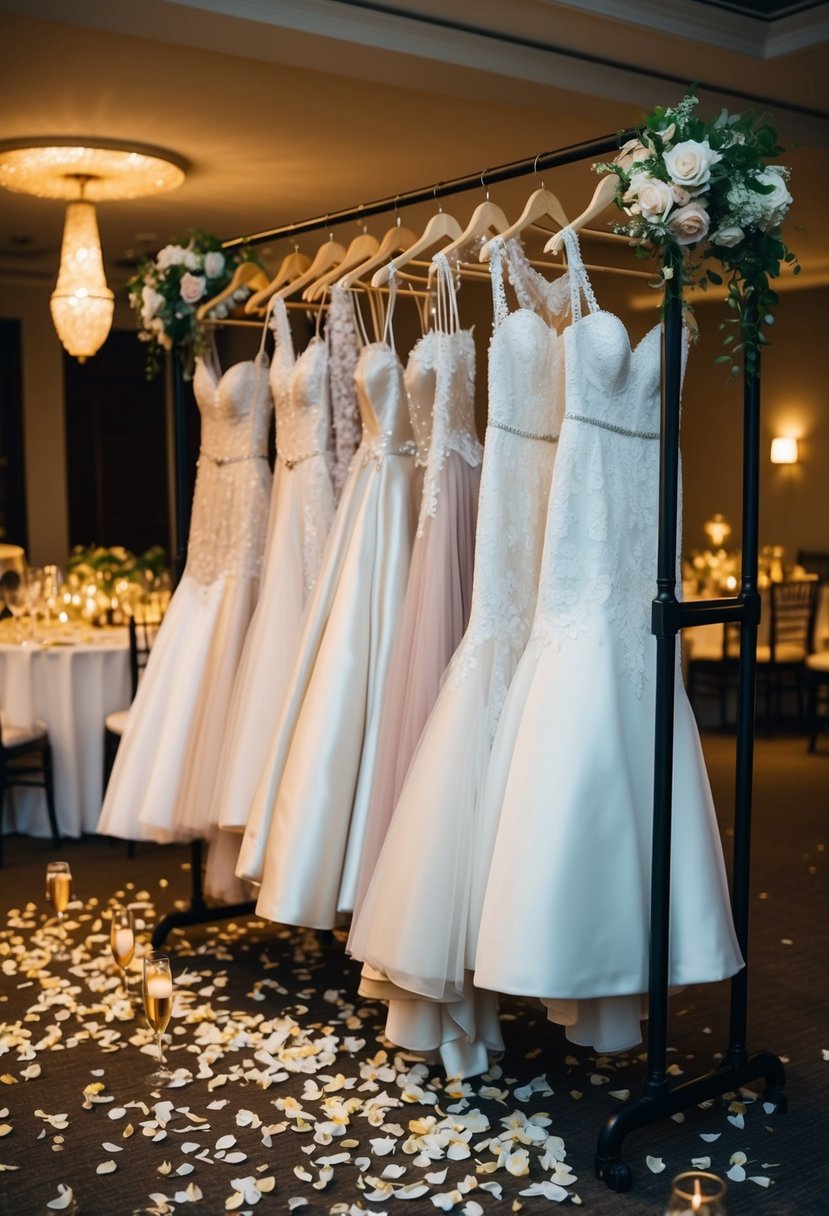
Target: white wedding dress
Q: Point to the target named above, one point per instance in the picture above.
(301, 512)
(412, 925)
(314, 790)
(569, 796)
(440, 379)
(166, 765)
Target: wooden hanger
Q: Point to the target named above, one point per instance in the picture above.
(292, 266)
(246, 274)
(439, 226)
(486, 219)
(603, 196)
(329, 254)
(396, 239)
(362, 247)
(541, 203)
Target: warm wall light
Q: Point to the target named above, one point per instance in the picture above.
(85, 171)
(783, 450)
(717, 529)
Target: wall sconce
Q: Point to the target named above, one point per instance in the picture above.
(85, 172)
(783, 450)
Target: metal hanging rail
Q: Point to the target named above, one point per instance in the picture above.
(659, 1099)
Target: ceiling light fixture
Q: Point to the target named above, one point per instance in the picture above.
(85, 171)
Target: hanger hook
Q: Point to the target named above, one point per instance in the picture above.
(435, 196)
(535, 167)
(396, 210)
(483, 183)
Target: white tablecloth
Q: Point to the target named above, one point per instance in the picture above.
(705, 641)
(72, 688)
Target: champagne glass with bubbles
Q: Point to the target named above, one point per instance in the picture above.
(158, 1005)
(122, 942)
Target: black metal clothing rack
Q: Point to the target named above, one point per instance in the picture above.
(659, 1098)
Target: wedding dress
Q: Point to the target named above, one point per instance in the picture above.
(301, 512)
(569, 796)
(314, 790)
(411, 928)
(440, 379)
(166, 763)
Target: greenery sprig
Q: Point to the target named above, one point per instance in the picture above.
(695, 192)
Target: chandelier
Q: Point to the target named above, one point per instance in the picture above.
(85, 171)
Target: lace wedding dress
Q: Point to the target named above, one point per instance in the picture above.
(314, 790)
(411, 928)
(301, 512)
(570, 785)
(165, 769)
(440, 379)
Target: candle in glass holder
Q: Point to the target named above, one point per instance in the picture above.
(697, 1193)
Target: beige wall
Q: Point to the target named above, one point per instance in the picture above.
(794, 500)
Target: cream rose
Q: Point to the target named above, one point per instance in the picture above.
(728, 237)
(689, 163)
(152, 301)
(776, 204)
(192, 287)
(214, 264)
(653, 196)
(689, 224)
(681, 196)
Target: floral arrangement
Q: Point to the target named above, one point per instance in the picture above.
(695, 191)
(167, 289)
(90, 561)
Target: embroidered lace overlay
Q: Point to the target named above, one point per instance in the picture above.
(600, 552)
(344, 347)
(230, 502)
(525, 395)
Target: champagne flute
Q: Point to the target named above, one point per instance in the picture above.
(158, 1005)
(16, 598)
(58, 886)
(122, 943)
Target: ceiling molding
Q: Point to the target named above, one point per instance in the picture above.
(761, 37)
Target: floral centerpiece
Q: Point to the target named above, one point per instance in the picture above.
(166, 291)
(694, 192)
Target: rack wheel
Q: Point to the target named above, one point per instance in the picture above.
(617, 1175)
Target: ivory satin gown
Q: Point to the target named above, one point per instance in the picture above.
(318, 776)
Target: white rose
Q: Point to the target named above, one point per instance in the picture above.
(191, 260)
(214, 264)
(728, 237)
(689, 163)
(164, 257)
(653, 197)
(690, 223)
(776, 204)
(151, 300)
(192, 287)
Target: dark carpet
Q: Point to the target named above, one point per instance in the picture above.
(283, 1084)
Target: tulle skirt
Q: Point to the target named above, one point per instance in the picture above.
(564, 861)
(165, 768)
(434, 617)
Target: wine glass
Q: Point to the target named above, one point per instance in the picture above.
(51, 591)
(15, 597)
(158, 1005)
(34, 597)
(122, 942)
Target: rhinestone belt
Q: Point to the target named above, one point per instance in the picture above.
(610, 426)
(514, 430)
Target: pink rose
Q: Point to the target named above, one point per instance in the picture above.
(192, 287)
(690, 224)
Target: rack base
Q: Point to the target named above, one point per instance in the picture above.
(662, 1100)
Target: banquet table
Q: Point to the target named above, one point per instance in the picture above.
(705, 641)
(71, 680)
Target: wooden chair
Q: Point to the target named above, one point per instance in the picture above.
(817, 687)
(714, 676)
(142, 633)
(26, 760)
(781, 665)
(816, 562)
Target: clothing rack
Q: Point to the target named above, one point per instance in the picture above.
(659, 1098)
